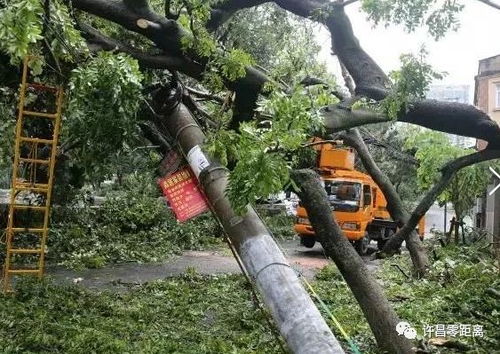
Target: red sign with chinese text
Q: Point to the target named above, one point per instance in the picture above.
(183, 194)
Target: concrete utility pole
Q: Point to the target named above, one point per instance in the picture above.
(296, 316)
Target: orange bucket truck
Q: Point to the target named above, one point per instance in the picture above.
(358, 204)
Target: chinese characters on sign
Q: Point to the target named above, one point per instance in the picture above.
(453, 330)
(183, 194)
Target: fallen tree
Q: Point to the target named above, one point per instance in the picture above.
(171, 40)
(370, 81)
(368, 293)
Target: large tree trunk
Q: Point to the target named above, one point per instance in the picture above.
(368, 293)
(294, 313)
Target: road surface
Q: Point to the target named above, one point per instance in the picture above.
(434, 219)
(121, 277)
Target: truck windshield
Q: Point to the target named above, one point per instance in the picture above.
(343, 196)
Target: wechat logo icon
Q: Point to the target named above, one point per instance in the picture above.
(405, 329)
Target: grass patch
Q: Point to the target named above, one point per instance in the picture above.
(190, 314)
(456, 291)
(215, 314)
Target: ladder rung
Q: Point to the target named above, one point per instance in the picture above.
(24, 159)
(24, 183)
(36, 140)
(26, 207)
(40, 189)
(27, 229)
(40, 114)
(19, 184)
(25, 250)
(23, 271)
(42, 87)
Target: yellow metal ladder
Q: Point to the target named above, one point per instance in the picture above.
(32, 154)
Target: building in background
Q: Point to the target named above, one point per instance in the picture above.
(487, 90)
(487, 98)
(453, 93)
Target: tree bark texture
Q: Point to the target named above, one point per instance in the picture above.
(370, 80)
(379, 313)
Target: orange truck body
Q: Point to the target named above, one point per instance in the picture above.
(358, 204)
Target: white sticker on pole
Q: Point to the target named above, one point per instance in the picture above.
(197, 160)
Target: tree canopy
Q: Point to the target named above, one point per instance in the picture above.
(248, 71)
(263, 51)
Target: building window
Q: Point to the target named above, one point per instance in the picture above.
(497, 96)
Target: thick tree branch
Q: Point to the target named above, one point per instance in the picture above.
(491, 3)
(165, 33)
(98, 41)
(137, 5)
(449, 117)
(447, 174)
(454, 118)
(337, 118)
(370, 79)
(395, 205)
(223, 11)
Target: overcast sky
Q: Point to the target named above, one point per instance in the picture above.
(457, 53)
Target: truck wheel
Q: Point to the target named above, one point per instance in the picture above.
(361, 246)
(307, 241)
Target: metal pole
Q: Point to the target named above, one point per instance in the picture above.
(297, 318)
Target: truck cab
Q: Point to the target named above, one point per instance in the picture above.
(356, 201)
